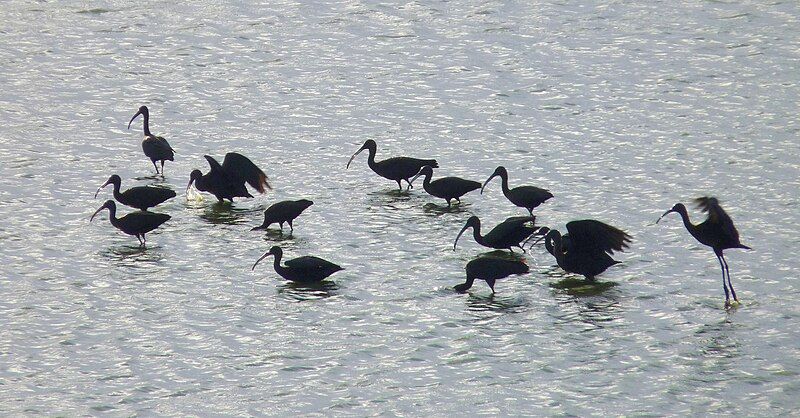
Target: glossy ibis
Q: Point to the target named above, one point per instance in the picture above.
(509, 233)
(155, 147)
(228, 180)
(527, 197)
(395, 168)
(135, 223)
(490, 269)
(306, 269)
(285, 211)
(717, 232)
(447, 188)
(139, 197)
(587, 248)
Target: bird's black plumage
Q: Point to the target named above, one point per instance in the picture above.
(717, 232)
(395, 168)
(285, 211)
(305, 269)
(587, 247)
(447, 188)
(227, 180)
(490, 269)
(528, 197)
(155, 147)
(139, 197)
(509, 233)
(135, 223)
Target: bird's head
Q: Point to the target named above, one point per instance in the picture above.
(368, 145)
(499, 171)
(194, 175)
(114, 179)
(305, 203)
(678, 208)
(110, 205)
(424, 171)
(142, 111)
(472, 222)
(275, 250)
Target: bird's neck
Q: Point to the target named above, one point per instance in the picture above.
(426, 182)
(686, 222)
(504, 184)
(476, 234)
(117, 194)
(555, 247)
(146, 124)
(112, 216)
(371, 158)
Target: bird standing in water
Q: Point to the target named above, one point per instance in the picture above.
(587, 248)
(395, 168)
(228, 180)
(305, 269)
(285, 211)
(447, 188)
(135, 223)
(717, 232)
(509, 233)
(139, 197)
(155, 147)
(528, 197)
(490, 269)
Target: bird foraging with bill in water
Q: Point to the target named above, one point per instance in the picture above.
(395, 168)
(447, 188)
(490, 269)
(227, 180)
(284, 212)
(717, 232)
(134, 223)
(139, 197)
(155, 147)
(305, 269)
(510, 233)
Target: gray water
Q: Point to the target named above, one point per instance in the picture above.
(620, 109)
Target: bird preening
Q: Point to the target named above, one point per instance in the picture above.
(227, 180)
(155, 147)
(717, 232)
(395, 168)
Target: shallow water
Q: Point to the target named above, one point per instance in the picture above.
(620, 110)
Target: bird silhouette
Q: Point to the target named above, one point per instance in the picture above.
(490, 269)
(509, 233)
(228, 180)
(447, 188)
(587, 248)
(285, 211)
(395, 168)
(135, 223)
(528, 197)
(717, 232)
(139, 197)
(305, 269)
(155, 147)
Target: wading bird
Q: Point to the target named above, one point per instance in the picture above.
(587, 248)
(395, 168)
(447, 188)
(285, 211)
(139, 197)
(509, 233)
(155, 147)
(527, 197)
(135, 223)
(228, 180)
(305, 269)
(490, 269)
(717, 232)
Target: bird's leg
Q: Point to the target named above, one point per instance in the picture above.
(448, 203)
(138, 236)
(291, 228)
(410, 186)
(490, 282)
(523, 248)
(155, 166)
(724, 285)
(728, 272)
(162, 168)
(281, 226)
(399, 185)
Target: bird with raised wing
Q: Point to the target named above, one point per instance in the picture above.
(227, 180)
(587, 247)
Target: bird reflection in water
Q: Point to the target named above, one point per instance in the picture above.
(596, 312)
(495, 303)
(226, 213)
(575, 286)
(308, 291)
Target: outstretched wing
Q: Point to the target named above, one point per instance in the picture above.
(589, 234)
(717, 215)
(213, 163)
(240, 168)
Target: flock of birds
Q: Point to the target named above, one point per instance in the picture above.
(585, 249)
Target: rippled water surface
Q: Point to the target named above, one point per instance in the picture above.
(621, 109)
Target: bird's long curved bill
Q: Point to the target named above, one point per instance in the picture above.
(487, 182)
(259, 260)
(353, 157)
(415, 177)
(541, 233)
(132, 119)
(189, 185)
(96, 212)
(662, 216)
(459, 236)
(100, 188)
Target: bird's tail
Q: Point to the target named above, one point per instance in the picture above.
(744, 247)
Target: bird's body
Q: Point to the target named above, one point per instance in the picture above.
(135, 223)
(395, 168)
(587, 248)
(509, 233)
(305, 269)
(447, 188)
(155, 147)
(490, 269)
(227, 180)
(528, 197)
(139, 197)
(285, 211)
(717, 232)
